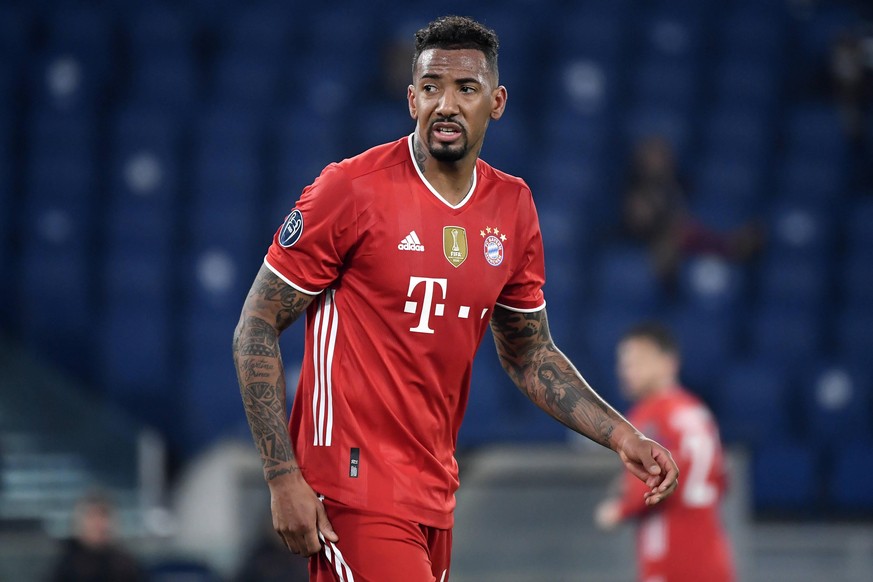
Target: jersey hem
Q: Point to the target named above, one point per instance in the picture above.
(287, 280)
(521, 310)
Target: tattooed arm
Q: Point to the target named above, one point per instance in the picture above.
(271, 306)
(550, 380)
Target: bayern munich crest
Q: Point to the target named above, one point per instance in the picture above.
(493, 245)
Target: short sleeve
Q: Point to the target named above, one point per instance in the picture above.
(524, 289)
(309, 248)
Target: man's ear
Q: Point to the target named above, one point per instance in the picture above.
(410, 97)
(498, 102)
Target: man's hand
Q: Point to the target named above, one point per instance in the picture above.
(298, 514)
(652, 464)
(607, 515)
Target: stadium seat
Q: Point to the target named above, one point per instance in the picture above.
(165, 80)
(709, 284)
(799, 231)
(707, 343)
(859, 224)
(737, 132)
(747, 82)
(785, 479)
(795, 283)
(856, 278)
(665, 84)
(784, 334)
(752, 403)
(848, 482)
(732, 185)
(265, 29)
(854, 333)
(157, 27)
(247, 79)
(836, 403)
(16, 27)
(815, 131)
(644, 120)
(817, 181)
(624, 278)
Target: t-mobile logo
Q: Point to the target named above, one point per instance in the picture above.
(438, 308)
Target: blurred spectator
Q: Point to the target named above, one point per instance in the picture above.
(850, 82)
(655, 212)
(93, 554)
(271, 561)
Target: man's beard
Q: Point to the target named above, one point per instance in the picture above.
(447, 152)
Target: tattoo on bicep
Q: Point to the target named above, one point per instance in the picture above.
(269, 288)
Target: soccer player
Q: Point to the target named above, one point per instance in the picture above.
(401, 257)
(682, 539)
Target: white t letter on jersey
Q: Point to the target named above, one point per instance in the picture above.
(411, 306)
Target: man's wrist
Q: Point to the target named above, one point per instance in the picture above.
(621, 433)
(280, 471)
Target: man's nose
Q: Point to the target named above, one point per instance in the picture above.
(448, 104)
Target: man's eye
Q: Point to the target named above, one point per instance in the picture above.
(429, 88)
(467, 89)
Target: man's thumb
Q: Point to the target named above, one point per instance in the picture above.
(323, 524)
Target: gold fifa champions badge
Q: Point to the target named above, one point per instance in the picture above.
(455, 244)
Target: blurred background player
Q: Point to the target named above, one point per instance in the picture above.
(682, 539)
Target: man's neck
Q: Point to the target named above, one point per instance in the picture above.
(451, 180)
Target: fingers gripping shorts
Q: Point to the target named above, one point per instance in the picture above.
(380, 548)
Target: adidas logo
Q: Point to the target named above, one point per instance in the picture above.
(411, 243)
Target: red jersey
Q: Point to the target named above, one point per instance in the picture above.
(681, 539)
(407, 284)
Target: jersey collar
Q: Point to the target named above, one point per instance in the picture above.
(433, 191)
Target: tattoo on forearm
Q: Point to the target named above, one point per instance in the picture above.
(259, 368)
(547, 377)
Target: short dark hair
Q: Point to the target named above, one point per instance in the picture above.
(455, 33)
(655, 332)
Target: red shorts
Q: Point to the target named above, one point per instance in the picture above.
(380, 548)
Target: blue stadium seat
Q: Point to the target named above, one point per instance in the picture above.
(665, 84)
(730, 184)
(209, 395)
(71, 136)
(785, 479)
(859, 224)
(784, 334)
(505, 147)
(817, 181)
(799, 231)
(158, 27)
(798, 283)
(265, 29)
(384, 122)
(747, 82)
(815, 131)
(854, 333)
(595, 31)
(752, 402)
(16, 27)
(755, 31)
(625, 278)
(247, 79)
(80, 27)
(707, 342)
(856, 278)
(488, 388)
(738, 132)
(601, 330)
(55, 311)
(836, 404)
(134, 360)
(167, 80)
(849, 489)
(137, 277)
(709, 284)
